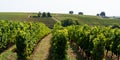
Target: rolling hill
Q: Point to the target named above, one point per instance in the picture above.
(82, 19)
(87, 19)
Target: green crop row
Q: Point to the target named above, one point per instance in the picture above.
(93, 40)
(28, 38)
(25, 35)
(59, 43)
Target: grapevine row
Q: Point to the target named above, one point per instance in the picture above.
(25, 35)
(28, 38)
(93, 40)
(59, 43)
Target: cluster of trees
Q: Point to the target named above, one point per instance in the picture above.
(102, 14)
(80, 13)
(44, 14)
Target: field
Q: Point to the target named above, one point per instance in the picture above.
(24, 37)
(22, 16)
(83, 19)
(87, 19)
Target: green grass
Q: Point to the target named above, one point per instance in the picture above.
(22, 16)
(87, 19)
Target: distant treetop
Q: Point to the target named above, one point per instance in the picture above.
(71, 12)
(49, 14)
(80, 13)
(102, 14)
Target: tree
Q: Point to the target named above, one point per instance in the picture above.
(98, 14)
(44, 14)
(49, 14)
(71, 12)
(80, 13)
(39, 14)
(102, 14)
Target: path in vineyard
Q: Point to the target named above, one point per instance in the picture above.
(41, 52)
(54, 18)
(73, 53)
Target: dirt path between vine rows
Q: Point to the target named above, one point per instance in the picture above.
(54, 18)
(73, 53)
(42, 49)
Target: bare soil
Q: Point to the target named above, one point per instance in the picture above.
(41, 51)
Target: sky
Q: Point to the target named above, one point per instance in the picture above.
(88, 7)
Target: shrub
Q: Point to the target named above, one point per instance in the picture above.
(69, 22)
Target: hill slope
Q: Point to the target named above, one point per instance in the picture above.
(86, 19)
(83, 19)
(23, 16)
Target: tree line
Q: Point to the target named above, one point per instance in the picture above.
(71, 12)
(102, 14)
(44, 14)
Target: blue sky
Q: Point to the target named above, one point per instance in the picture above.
(88, 7)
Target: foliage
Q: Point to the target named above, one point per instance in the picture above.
(44, 14)
(25, 35)
(99, 47)
(28, 38)
(59, 44)
(71, 12)
(80, 13)
(39, 14)
(93, 40)
(49, 14)
(102, 14)
(97, 14)
(8, 32)
(69, 22)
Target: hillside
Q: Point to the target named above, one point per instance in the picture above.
(82, 19)
(73, 42)
(87, 19)
(24, 16)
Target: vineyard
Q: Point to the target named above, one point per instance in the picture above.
(88, 19)
(94, 41)
(25, 35)
(93, 38)
(25, 16)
